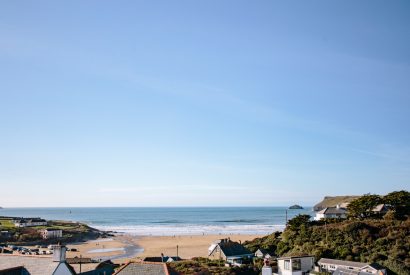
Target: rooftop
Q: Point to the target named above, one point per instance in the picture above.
(295, 257)
(332, 210)
(35, 265)
(340, 262)
(230, 248)
(143, 268)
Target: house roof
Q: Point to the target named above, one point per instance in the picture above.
(143, 268)
(380, 208)
(230, 248)
(77, 260)
(35, 265)
(345, 271)
(161, 259)
(295, 257)
(340, 262)
(85, 267)
(30, 220)
(332, 210)
(263, 251)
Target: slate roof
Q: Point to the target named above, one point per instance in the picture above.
(30, 220)
(77, 260)
(332, 210)
(340, 262)
(84, 267)
(263, 251)
(345, 271)
(380, 208)
(143, 268)
(35, 265)
(161, 259)
(295, 257)
(230, 248)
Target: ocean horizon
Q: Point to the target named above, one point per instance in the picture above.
(168, 221)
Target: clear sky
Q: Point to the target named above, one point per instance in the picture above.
(202, 103)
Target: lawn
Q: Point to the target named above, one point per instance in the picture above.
(6, 225)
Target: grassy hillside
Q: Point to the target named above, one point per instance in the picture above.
(204, 266)
(72, 232)
(382, 241)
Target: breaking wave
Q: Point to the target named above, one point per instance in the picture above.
(187, 229)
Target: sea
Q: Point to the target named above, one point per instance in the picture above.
(169, 221)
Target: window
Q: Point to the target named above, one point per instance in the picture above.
(296, 265)
(287, 265)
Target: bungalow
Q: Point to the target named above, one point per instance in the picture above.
(262, 253)
(51, 233)
(30, 222)
(295, 265)
(331, 212)
(348, 267)
(231, 252)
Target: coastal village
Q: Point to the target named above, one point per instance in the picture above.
(187, 137)
(32, 245)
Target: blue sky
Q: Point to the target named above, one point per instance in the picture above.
(216, 103)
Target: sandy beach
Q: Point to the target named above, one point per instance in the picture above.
(125, 247)
(188, 246)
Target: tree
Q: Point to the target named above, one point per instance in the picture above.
(363, 206)
(399, 202)
(298, 221)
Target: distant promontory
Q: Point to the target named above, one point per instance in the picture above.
(329, 201)
(295, 206)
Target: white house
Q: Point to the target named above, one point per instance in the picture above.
(349, 267)
(262, 253)
(331, 212)
(51, 233)
(295, 265)
(29, 222)
(36, 265)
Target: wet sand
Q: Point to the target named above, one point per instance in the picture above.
(118, 247)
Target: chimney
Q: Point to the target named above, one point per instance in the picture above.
(266, 269)
(59, 253)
